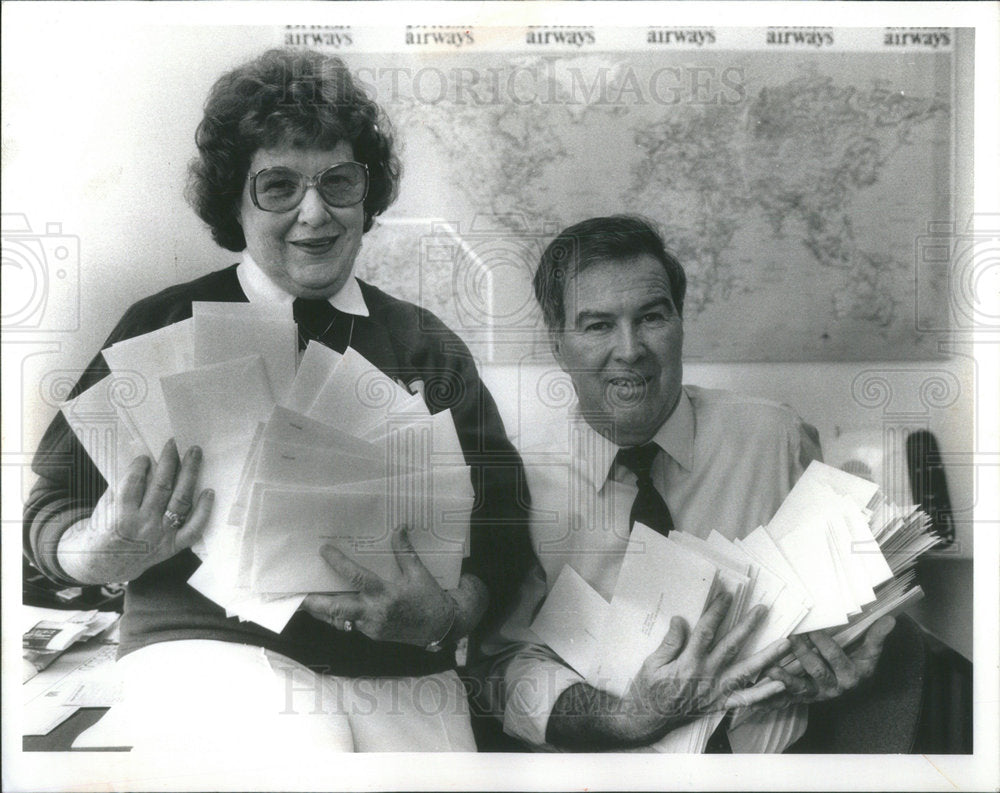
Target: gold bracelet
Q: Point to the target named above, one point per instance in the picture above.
(438, 645)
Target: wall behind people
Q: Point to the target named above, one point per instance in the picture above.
(97, 137)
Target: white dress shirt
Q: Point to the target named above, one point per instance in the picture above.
(727, 463)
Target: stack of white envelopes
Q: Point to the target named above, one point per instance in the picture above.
(835, 556)
(328, 449)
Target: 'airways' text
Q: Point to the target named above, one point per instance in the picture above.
(815, 38)
(932, 39)
(576, 38)
(696, 37)
(453, 38)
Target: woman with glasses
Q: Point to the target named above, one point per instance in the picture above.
(294, 163)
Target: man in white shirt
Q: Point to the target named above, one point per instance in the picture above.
(612, 298)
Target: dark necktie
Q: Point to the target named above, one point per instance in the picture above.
(318, 320)
(649, 507)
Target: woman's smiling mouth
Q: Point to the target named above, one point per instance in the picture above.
(315, 245)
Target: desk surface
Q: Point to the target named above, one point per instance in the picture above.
(61, 738)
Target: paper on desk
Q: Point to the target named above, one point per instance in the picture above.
(287, 559)
(115, 729)
(318, 361)
(64, 628)
(145, 359)
(41, 718)
(356, 396)
(571, 619)
(659, 579)
(97, 421)
(225, 331)
(102, 691)
(45, 696)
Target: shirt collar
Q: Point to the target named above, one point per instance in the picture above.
(676, 435)
(591, 451)
(260, 289)
(596, 454)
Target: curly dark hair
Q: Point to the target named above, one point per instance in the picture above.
(618, 238)
(293, 98)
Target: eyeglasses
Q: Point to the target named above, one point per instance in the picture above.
(281, 189)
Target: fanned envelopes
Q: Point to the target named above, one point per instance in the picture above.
(836, 556)
(328, 449)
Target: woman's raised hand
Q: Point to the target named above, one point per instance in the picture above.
(150, 516)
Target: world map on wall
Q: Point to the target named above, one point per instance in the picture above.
(794, 189)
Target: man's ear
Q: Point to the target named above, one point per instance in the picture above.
(555, 344)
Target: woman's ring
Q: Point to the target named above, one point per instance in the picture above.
(348, 626)
(174, 521)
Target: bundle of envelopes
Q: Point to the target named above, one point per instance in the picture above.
(837, 555)
(301, 453)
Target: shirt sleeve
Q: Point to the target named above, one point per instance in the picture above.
(519, 678)
(66, 491)
(68, 485)
(534, 680)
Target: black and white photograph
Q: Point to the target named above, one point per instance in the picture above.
(631, 400)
